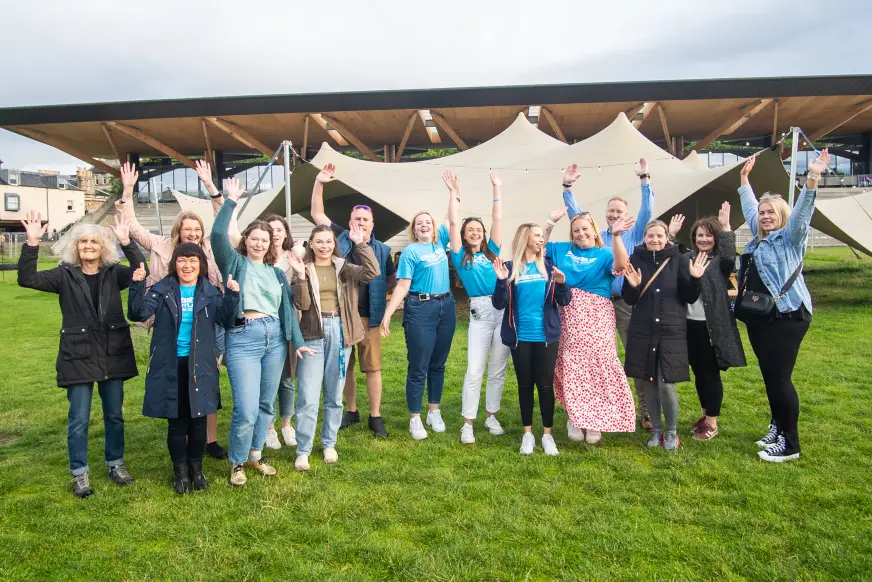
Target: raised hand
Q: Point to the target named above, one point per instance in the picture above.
(623, 224)
(355, 234)
(305, 350)
(121, 228)
(204, 172)
(233, 189)
(558, 276)
(641, 167)
(451, 181)
(698, 265)
(557, 214)
(724, 216)
(326, 174)
(231, 284)
(129, 179)
(675, 224)
(139, 274)
(34, 228)
(749, 165)
(496, 180)
(500, 269)
(571, 174)
(819, 166)
(632, 276)
(296, 263)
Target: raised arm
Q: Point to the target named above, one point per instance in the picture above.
(551, 222)
(726, 243)
(28, 276)
(646, 210)
(368, 269)
(124, 206)
(497, 210)
(619, 251)
(134, 257)
(800, 218)
(317, 210)
(570, 175)
(747, 197)
(454, 235)
(225, 255)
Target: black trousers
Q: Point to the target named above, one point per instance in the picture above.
(776, 345)
(534, 364)
(704, 363)
(186, 436)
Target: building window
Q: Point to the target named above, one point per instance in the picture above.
(69, 206)
(12, 202)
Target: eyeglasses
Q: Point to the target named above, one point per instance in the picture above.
(362, 207)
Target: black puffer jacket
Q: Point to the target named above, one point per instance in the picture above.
(93, 346)
(719, 318)
(658, 324)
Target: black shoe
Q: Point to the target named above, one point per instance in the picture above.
(119, 475)
(779, 452)
(377, 426)
(181, 478)
(215, 450)
(198, 479)
(350, 418)
(82, 486)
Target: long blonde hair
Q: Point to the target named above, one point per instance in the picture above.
(781, 208)
(108, 254)
(413, 237)
(519, 247)
(598, 240)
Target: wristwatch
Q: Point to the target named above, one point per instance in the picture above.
(567, 186)
(215, 196)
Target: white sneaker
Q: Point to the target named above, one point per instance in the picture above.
(302, 463)
(528, 443)
(493, 425)
(290, 436)
(416, 428)
(434, 421)
(331, 456)
(575, 434)
(593, 437)
(272, 439)
(548, 445)
(467, 437)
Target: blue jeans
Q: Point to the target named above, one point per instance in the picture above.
(287, 395)
(112, 397)
(429, 327)
(317, 371)
(256, 353)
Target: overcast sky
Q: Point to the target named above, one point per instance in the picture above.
(60, 52)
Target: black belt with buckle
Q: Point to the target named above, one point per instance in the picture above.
(329, 314)
(429, 296)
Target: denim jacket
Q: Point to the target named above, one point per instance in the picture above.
(778, 255)
(632, 238)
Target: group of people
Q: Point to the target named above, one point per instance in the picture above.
(292, 321)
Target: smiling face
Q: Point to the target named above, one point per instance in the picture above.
(188, 270)
(279, 234)
(583, 232)
(473, 234)
(704, 240)
(362, 218)
(191, 231)
(656, 238)
(322, 244)
(257, 244)
(615, 210)
(535, 240)
(768, 218)
(423, 228)
(90, 248)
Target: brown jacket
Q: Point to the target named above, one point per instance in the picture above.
(307, 295)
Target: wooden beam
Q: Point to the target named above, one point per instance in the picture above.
(66, 148)
(669, 145)
(242, 136)
(549, 117)
(444, 126)
(387, 154)
(409, 125)
(153, 142)
(735, 121)
(634, 110)
(305, 137)
(646, 110)
(210, 155)
(775, 122)
(679, 147)
(111, 141)
(858, 109)
(352, 139)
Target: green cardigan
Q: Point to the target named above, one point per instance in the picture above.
(231, 262)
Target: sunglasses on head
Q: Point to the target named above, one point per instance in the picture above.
(362, 207)
(471, 218)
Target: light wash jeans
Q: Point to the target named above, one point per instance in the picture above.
(256, 354)
(484, 338)
(314, 372)
(112, 398)
(287, 390)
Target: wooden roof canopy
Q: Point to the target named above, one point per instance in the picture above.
(702, 110)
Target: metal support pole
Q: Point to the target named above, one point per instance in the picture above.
(154, 188)
(793, 154)
(286, 146)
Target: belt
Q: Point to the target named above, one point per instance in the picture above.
(329, 314)
(429, 296)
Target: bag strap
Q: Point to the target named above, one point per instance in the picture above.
(789, 283)
(651, 280)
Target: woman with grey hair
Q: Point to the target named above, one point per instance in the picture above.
(95, 344)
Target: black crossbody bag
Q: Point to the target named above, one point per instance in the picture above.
(757, 304)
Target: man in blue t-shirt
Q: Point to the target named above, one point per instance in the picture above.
(371, 305)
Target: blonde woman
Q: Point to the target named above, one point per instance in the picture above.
(428, 318)
(95, 345)
(529, 288)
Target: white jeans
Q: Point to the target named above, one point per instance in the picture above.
(484, 339)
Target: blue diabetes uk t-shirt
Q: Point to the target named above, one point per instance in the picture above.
(586, 269)
(531, 286)
(426, 264)
(183, 344)
(478, 276)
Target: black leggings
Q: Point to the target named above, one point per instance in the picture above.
(704, 363)
(534, 364)
(186, 436)
(776, 345)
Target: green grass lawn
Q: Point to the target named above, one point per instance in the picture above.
(436, 510)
